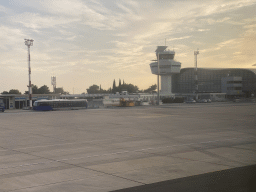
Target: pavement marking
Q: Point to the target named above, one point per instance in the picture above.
(48, 184)
(155, 116)
(119, 152)
(73, 143)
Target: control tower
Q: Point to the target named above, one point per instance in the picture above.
(167, 67)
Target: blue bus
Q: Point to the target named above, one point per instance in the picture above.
(59, 104)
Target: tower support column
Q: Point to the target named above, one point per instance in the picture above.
(166, 84)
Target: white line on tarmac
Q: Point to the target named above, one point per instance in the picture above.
(74, 143)
(120, 152)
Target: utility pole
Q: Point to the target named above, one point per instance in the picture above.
(196, 79)
(158, 73)
(29, 42)
(53, 78)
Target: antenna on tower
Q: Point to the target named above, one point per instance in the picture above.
(165, 41)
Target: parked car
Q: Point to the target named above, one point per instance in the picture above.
(202, 101)
(236, 100)
(191, 101)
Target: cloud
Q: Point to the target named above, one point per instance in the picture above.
(37, 21)
(212, 21)
(130, 10)
(121, 35)
(93, 71)
(215, 7)
(91, 13)
(58, 7)
(153, 31)
(179, 38)
(202, 30)
(248, 44)
(109, 38)
(65, 11)
(231, 43)
(10, 38)
(3, 9)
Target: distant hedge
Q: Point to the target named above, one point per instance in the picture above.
(173, 100)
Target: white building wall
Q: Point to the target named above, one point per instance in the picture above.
(231, 85)
(12, 102)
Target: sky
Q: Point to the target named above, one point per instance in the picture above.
(86, 42)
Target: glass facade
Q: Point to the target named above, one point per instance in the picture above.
(209, 80)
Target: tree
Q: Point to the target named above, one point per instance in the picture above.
(59, 90)
(34, 89)
(5, 92)
(44, 90)
(114, 84)
(14, 91)
(94, 89)
(151, 88)
(130, 88)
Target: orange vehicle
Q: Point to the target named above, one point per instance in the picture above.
(125, 103)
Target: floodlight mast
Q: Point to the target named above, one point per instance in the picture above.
(54, 83)
(29, 42)
(158, 73)
(196, 79)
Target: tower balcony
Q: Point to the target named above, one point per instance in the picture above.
(166, 67)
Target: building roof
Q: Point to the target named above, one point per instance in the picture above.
(222, 69)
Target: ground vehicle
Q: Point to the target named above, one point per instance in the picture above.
(59, 104)
(202, 101)
(191, 101)
(126, 103)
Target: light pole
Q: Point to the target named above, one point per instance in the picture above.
(29, 42)
(196, 80)
(54, 84)
(158, 72)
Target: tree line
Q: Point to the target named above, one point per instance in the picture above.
(130, 88)
(35, 90)
(93, 89)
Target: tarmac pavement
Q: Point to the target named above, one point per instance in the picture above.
(118, 148)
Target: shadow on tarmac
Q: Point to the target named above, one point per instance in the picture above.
(241, 179)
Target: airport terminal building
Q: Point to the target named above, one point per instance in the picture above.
(231, 81)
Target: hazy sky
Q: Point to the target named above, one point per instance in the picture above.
(85, 42)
